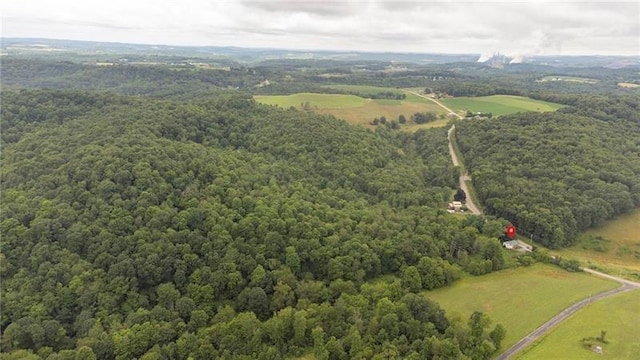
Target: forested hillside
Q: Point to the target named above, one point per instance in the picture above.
(554, 175)
(141, 228)
(156, 80)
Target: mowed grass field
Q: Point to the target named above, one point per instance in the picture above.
(521, 299)
(357, 110)
(321, 101)
(499, 104)
(613, 247)
(364, 89)
(618, 315)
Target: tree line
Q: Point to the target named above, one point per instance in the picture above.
(136, 227)
(556, 174)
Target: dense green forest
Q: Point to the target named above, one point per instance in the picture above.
(136, 227)
(554, 175)
(136, 80)
(175, 77)
(158, 212)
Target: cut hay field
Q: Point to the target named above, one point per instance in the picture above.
(357, 110)
(521, 298)
(613, 247)
(499, 104)
(316, 101)
(618, 315)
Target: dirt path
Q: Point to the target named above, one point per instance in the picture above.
(463, 177)
(435, 101)
(546, 327)
(456, 162)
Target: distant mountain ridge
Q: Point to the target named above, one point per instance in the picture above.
(21, 45)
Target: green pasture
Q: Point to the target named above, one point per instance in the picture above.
(364, 89)
(613, 247)
(618, 315)
(521, 299)
(569, 79)
(357, 110)
(499, 104)
(316, 101)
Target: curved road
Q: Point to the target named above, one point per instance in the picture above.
(546, 327)
(435, 101)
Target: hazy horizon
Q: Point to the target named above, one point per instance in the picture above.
(440, 27)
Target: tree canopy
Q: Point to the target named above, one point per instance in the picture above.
(136, 227)
(555, 174)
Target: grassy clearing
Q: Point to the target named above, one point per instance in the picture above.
(499, 104)
(364, 89)
(618, 315)
(568, 79)
(357, 110)
(521, 299)
(613, 247)
(316, 101)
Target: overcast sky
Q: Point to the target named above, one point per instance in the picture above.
(511, 27)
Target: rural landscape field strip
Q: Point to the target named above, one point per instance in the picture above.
(520, 299)
(616, 317)
(358, 110)
(564, 314)
(499, 104)
(439, 103)
(613, 247)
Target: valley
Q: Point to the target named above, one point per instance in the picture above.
(278, 204)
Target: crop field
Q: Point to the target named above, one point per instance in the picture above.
(499, 104)
(613, 247)
(568, 79)
(619, 316)
(521, 299)
(357, 110)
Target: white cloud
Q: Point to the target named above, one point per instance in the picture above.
(571, 27)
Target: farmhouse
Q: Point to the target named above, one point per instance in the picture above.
(512, 244)
(455, 206)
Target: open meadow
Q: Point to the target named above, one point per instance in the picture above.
(364, 89)
(618, 315)
(357, 110)
(574, 79)
(499, 104)
(521, 299)
(613, 247)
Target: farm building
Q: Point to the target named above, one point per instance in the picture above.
(512, 244)
(456, 205)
